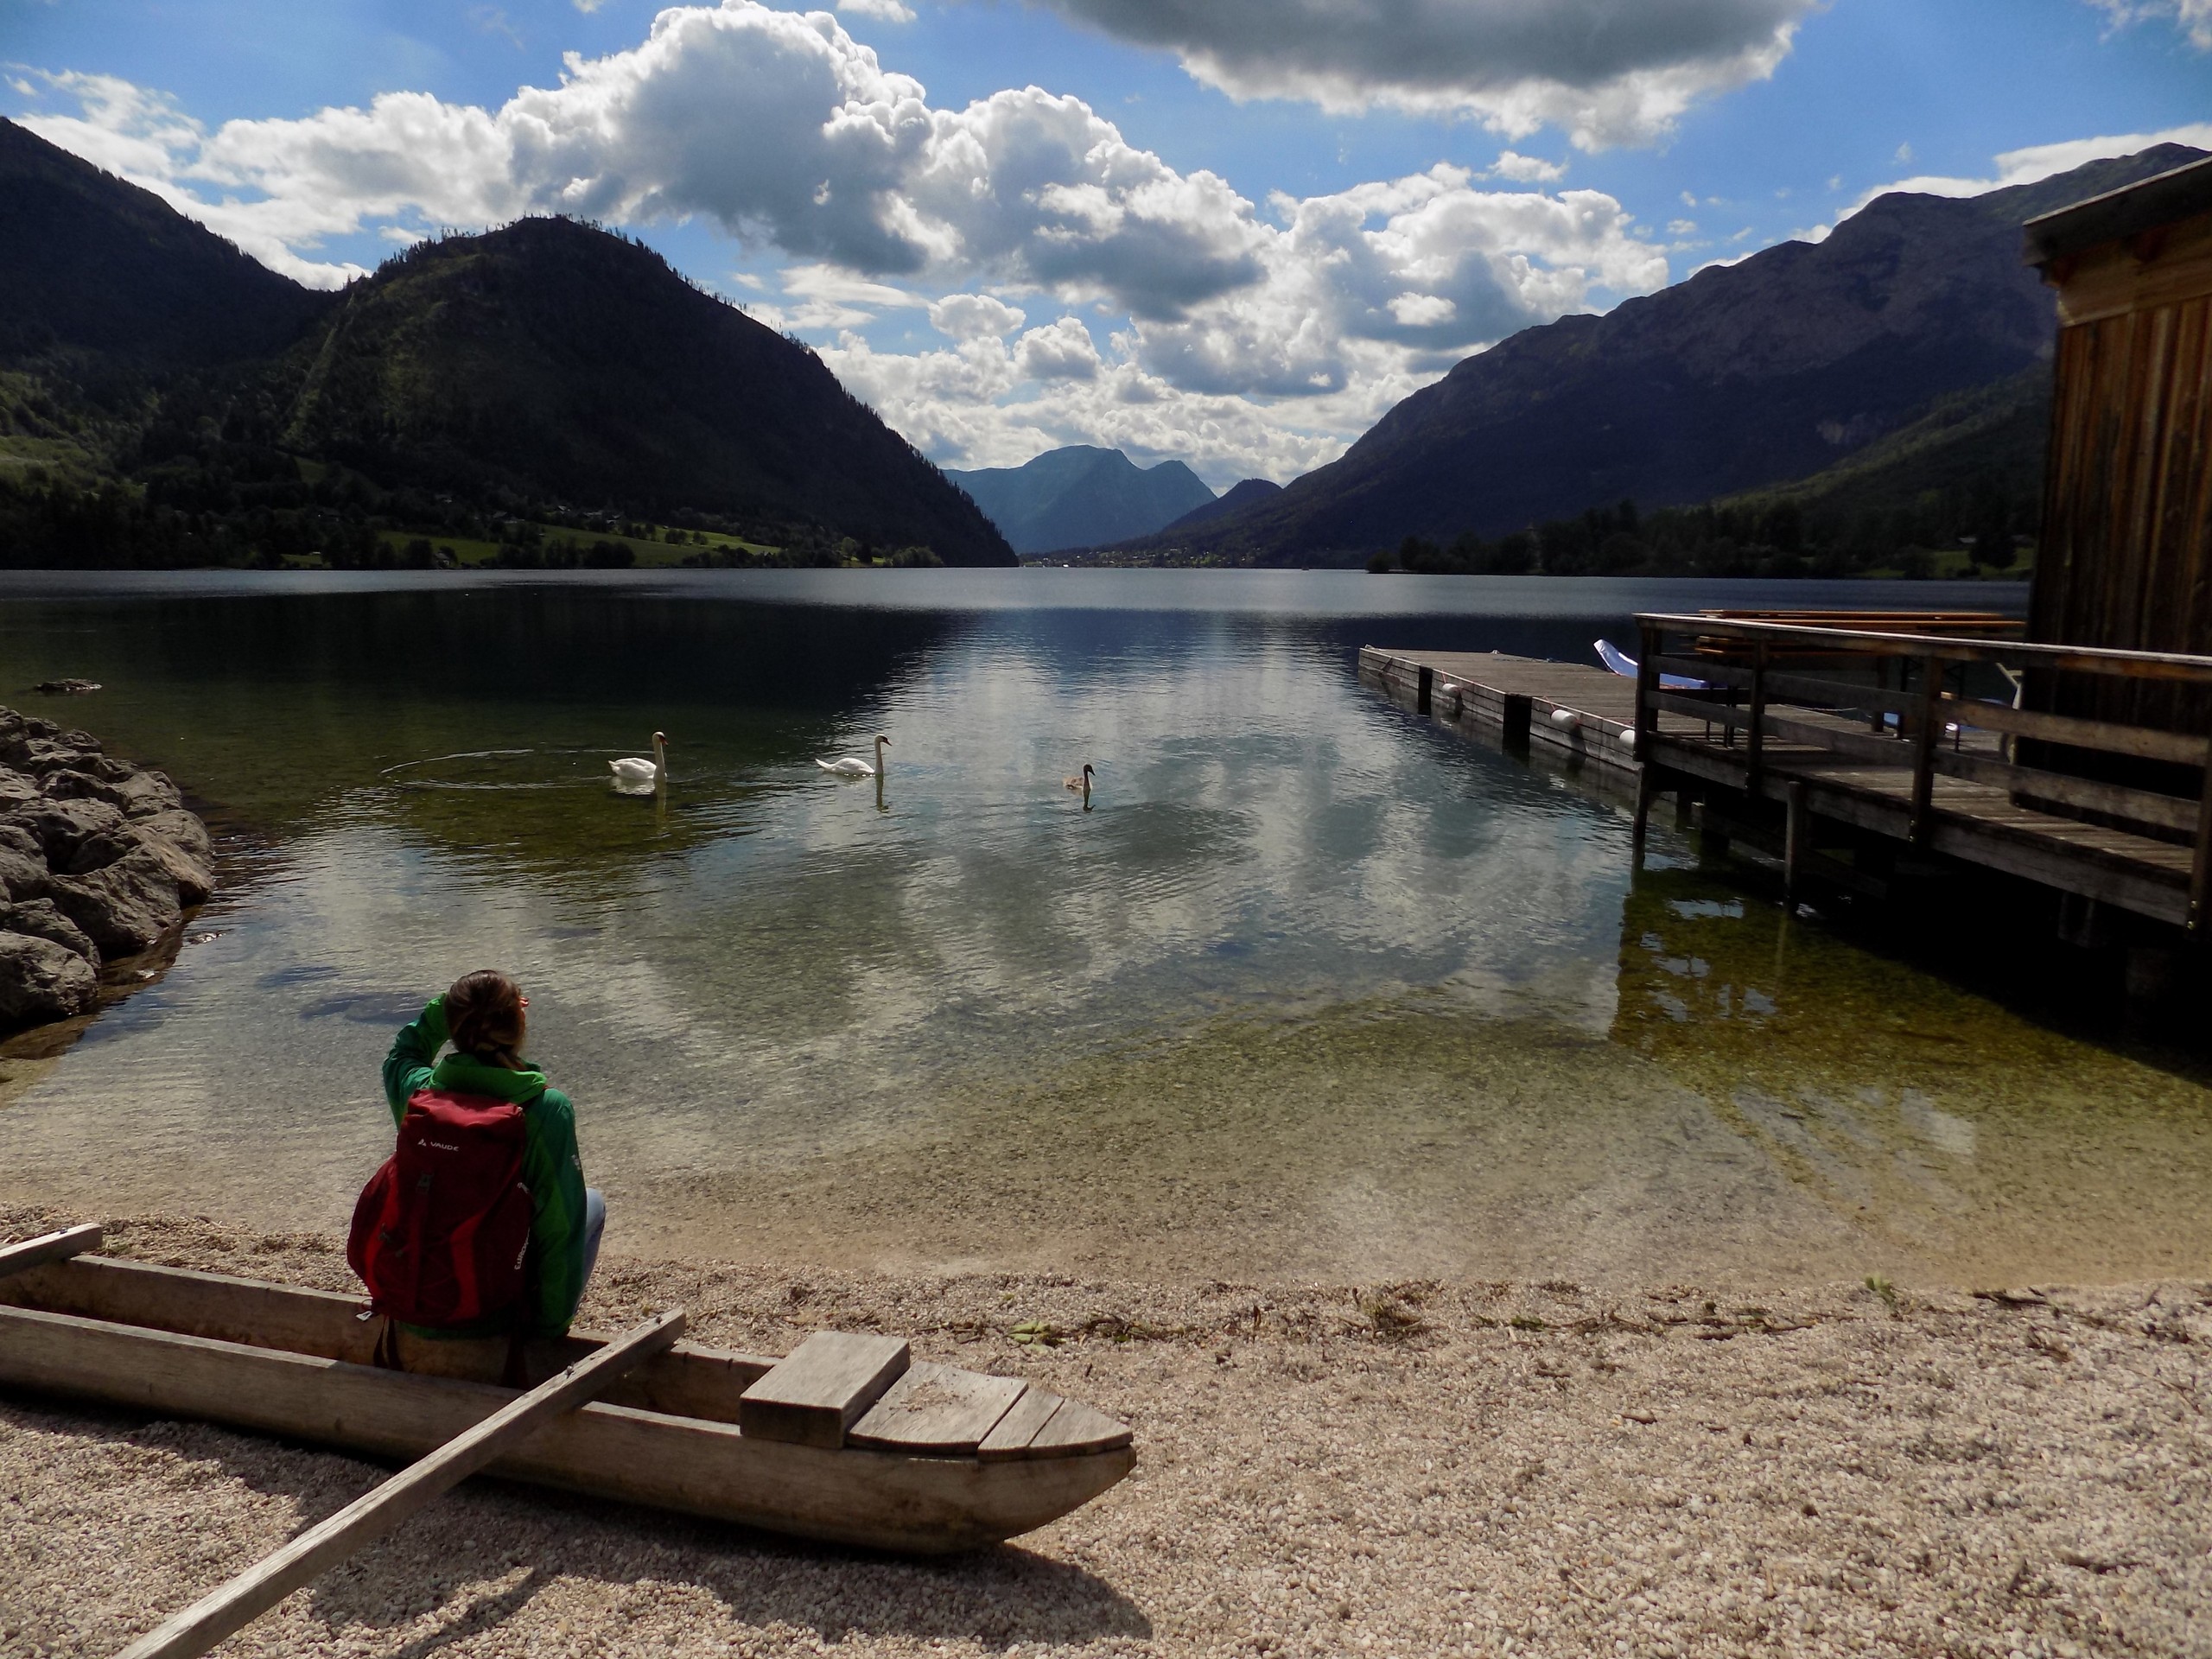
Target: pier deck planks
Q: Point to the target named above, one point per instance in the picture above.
(1515, 697)
(1495, 694)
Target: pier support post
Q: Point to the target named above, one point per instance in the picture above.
(1424, 690)
(1518, 707)
(1796, 832)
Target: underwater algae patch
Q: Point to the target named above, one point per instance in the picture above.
(1377, 1141)
(1958, 1132)
(1420, 1137)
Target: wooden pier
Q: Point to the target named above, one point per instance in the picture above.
(1858, 756)
(1566, 711)
(1855, 746)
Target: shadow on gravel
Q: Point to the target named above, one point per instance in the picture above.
(638, 1561)
(479, 1557)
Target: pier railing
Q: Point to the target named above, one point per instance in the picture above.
(1943, 706)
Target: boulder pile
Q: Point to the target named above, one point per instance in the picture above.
(99, 862)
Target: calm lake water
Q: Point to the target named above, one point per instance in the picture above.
(1310, 988)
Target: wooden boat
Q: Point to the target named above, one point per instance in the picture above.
(847, 1439)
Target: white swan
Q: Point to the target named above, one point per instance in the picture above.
(851, 765)
(632, 773)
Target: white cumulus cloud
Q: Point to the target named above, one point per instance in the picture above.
(975, 316)
(1060, 350)
(1526, 170)
(2192, 17)
(1091, 290)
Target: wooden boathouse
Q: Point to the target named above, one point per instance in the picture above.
(2075, 759)
(1860, 747)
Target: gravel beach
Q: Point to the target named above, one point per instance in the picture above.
(1412, 1469)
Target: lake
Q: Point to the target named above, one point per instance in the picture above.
(1309, 987)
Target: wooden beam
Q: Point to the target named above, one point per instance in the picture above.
(2142, 805)
(2200, 864)
(49, 1247)
(2078, 659)
(260, 1588)
(1797, 838)
(2142, 742)
(1076, 1428)
(688, 1381)
(1755, 739)
(1926, 728)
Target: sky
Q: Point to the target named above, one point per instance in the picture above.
(1233, 232)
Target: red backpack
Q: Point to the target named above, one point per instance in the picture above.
(441, 1232)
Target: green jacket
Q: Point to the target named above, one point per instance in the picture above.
(551, 1168)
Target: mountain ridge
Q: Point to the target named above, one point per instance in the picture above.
(1245, 493)
(90, 262)
(165, 399)
(1737, 378)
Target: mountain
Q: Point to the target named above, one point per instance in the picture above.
(1748, 375)
(1081, 497)
(91, 264)
(554, 360)
(165, 399)
(1245, 493)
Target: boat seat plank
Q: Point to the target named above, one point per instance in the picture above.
(1076, 1429)
(49, 1247)
(1011, 1438)
(938, 1410)
(824, 1387)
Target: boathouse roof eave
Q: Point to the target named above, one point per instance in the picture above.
(2163, 200)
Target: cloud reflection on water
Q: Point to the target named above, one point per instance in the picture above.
(1403, 984)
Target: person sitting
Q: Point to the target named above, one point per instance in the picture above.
(481, 1225)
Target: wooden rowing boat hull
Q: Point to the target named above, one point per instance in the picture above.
(629, 1452)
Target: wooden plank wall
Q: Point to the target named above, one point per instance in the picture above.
(2125, 557)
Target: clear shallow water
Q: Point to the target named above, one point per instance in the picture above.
(1312, 988)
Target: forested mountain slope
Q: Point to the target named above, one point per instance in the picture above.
(164, 399)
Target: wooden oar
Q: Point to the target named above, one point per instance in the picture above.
(261, 1586)
(49, 1247)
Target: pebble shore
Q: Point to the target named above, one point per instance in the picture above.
(1414, 1469)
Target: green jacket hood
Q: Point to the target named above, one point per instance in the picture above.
(464, 1074)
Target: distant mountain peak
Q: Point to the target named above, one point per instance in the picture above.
(1245, 493)
(1082, 496)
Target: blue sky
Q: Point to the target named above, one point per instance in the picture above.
(1230, 231)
